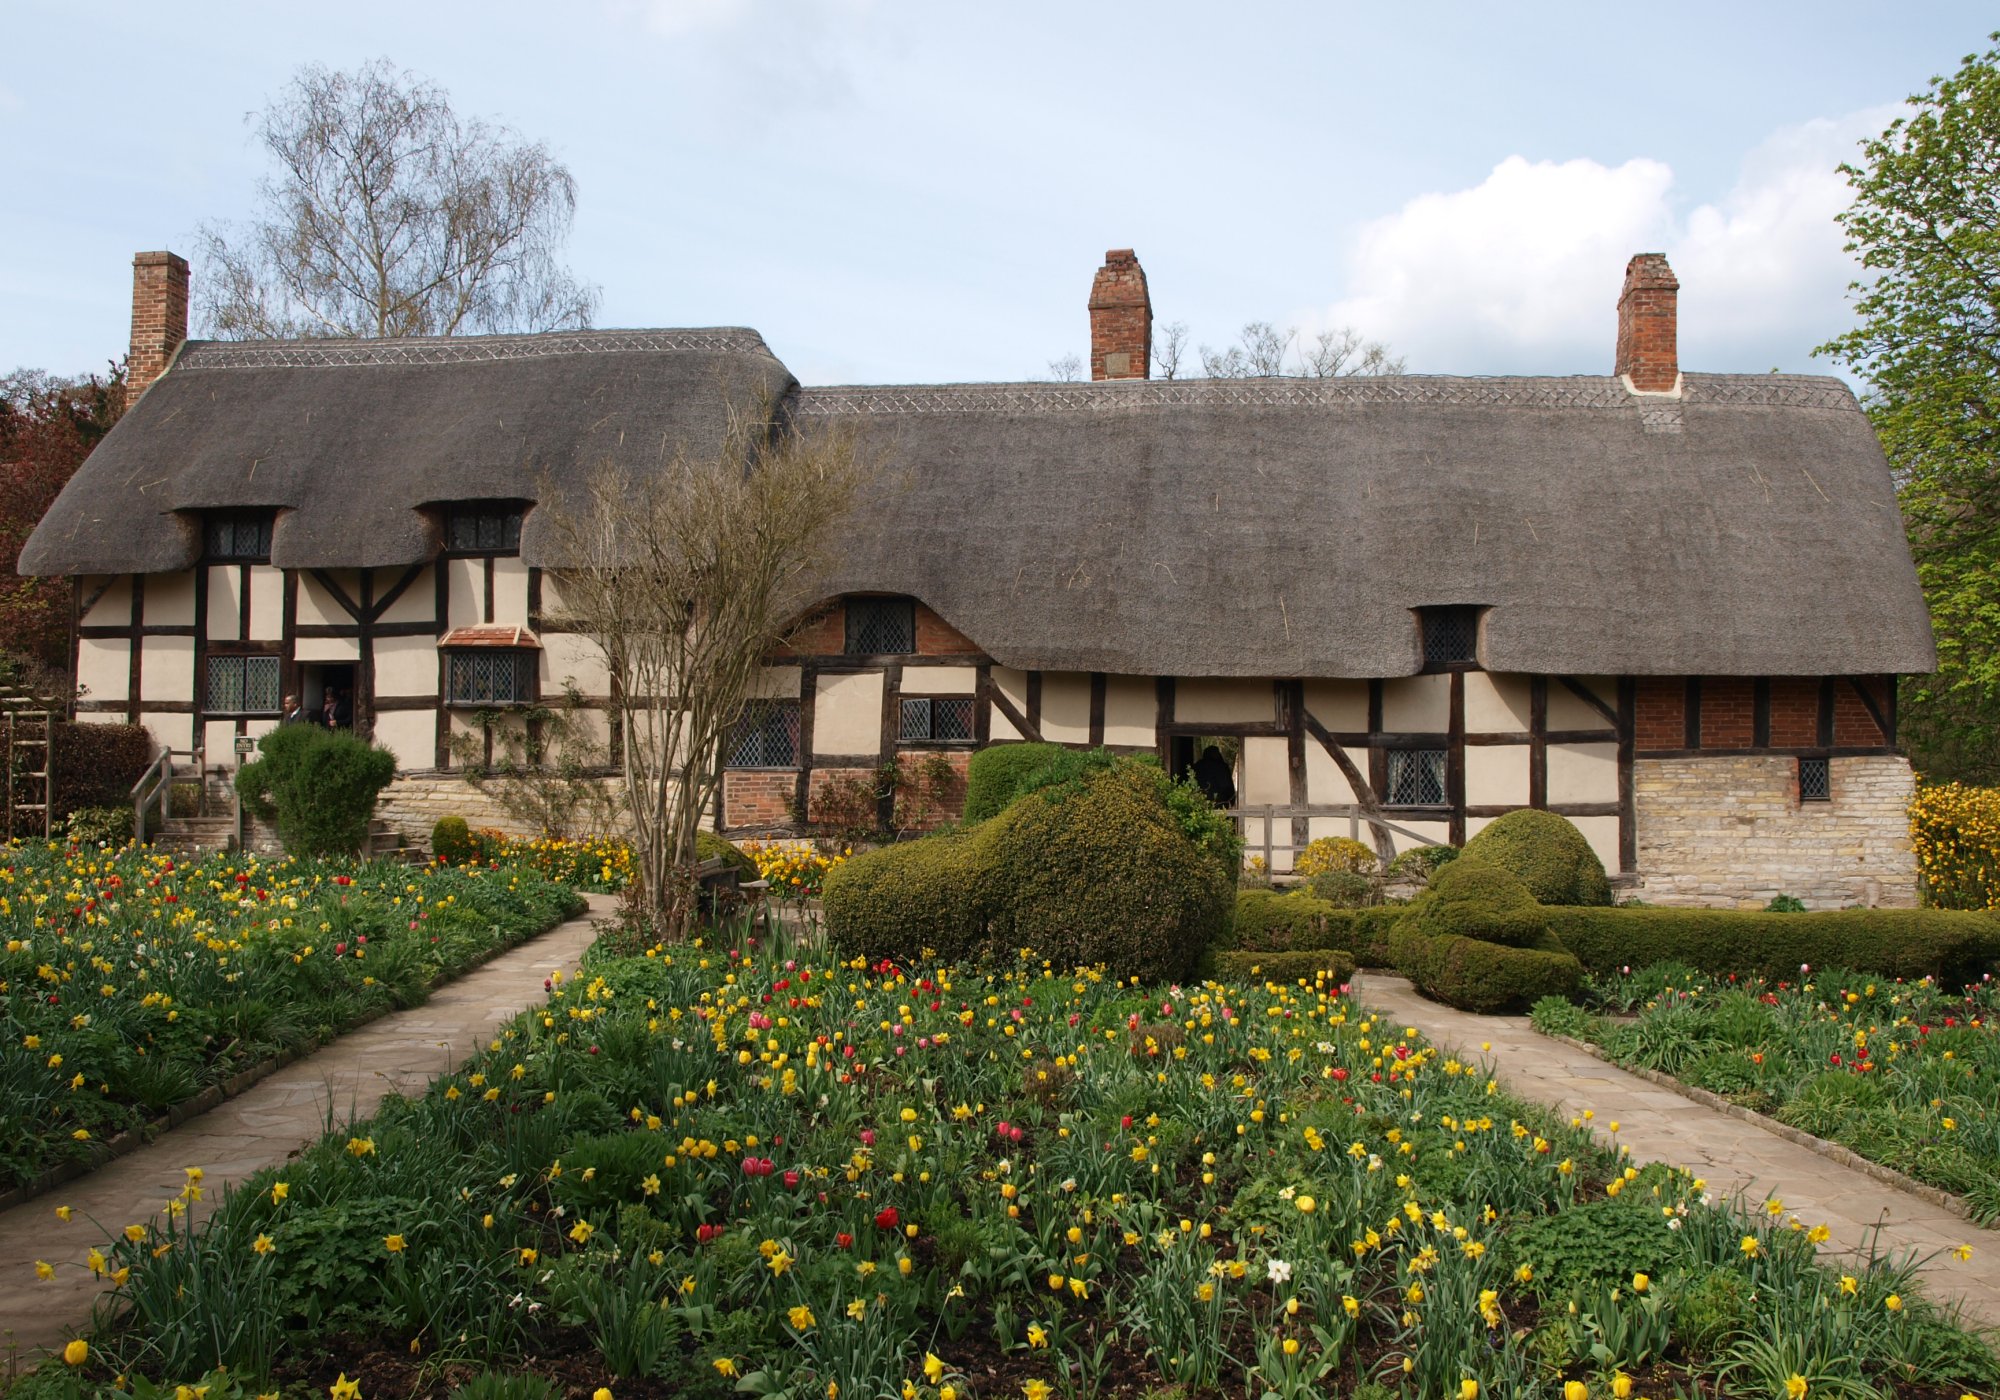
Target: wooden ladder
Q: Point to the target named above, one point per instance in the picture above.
(29, 737)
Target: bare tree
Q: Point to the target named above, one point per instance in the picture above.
(1263, 351)
(1169, 346)
(390, 215)
(1067, 370)
(688, 580)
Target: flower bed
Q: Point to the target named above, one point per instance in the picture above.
(1904, 1073)
(796, 869)
(599, 864)
(716, 1170)
(131, 981)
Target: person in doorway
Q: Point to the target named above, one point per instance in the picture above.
(295, 713)
(328, 710)
(343, 709)
(1212, 774)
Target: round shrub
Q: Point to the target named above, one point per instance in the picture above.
(1104, 875)
(1331, 853)
(1547, 854)
(1349, 889)
(451, 841)
(1472, 899)
(318, 786)
(1267, 921)
(900, 901)
(1474, 975)
(993, 776)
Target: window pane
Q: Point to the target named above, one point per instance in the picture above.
(1815, 780)
(225, 684)
(767, 736)
(238, 537)
(1450, 635)
(260, 684)
(881, 626)
(1416, 777)
(951, 719)
(916, 719)
(474, 531)
(490, 677)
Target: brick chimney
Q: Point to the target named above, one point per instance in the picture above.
(1648, 350)
(159, 317)
(1121, 319)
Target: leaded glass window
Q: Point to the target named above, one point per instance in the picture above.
(483, 529)
(943, 720)
(1416, 777)
(1451, 636)
(1815, 780)
(881, 626)
(238, 537)
(242, 685)
(767, 736)
(490, 676)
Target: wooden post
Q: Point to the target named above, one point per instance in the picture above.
(1270, 815)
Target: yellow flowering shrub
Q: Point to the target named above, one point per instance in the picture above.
(1336, 853)
(1955, 833)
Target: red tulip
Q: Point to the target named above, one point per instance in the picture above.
(887, 1218)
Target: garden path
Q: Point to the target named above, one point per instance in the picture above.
(1659, 1125)
(397, 1054)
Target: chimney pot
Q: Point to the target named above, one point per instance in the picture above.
(1121, 319)
(1648, 349)
(159, 318)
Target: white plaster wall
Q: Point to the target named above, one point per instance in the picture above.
(1417, 704)
(1602, 833)
(267, 603)
(1065, 707)
(418, 602)
(847, 715)
(940, 680)
(568, 657)
(328, 648)
(166, 669)
(1500, 704)
(319, 608)
(1566, 711)
(411, 735)
(99, 717)
(773, 683)
(1013, 685)
(1496, 774)
(114, 609)
(406, 666)
(1326, 785)
(1341, 706)
(1433, 834)
(170, 731)
(170, 599)
(1264, 774)
(223, 611)
(1221, 702)
(219, 737)
(510, 592)
(466, 606)
(1583, 773)
(104, 668)
(1131, 709)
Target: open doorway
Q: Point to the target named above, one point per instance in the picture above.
(1214, 761)
(318, 680)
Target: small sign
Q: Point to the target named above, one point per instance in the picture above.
(245, 744)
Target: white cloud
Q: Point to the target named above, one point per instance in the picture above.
(1520, 273)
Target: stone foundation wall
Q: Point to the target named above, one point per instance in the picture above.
(414, 802)
(1732, 833)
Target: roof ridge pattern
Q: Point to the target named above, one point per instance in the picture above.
(455, 350)
(1579, 391)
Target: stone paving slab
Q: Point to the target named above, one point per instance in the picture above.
(1736, 1157)
(269, 1122)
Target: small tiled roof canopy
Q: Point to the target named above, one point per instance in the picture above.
(510, 638)
(1269, 527)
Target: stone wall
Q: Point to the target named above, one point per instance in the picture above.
(1731, 833)
(413, 803)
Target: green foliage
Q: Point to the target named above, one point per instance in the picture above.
(1332, 967)
(1785, 904)
(1420, 864)
(1907, 943)
(498, 1385)
(1921, 221)
(1475, 975)
(1349, 889)
(1714, 1308)
(1330, 853)
(1473, 899)
(1102, 872)
(96, 765)
(1560, 1016)
(709, 846)
(1547, 854)
(452, 841)
(99, 826)
(318, 785)
(1267, 921)
(995, 775)
(1598, 1242)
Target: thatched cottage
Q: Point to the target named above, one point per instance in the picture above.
(1671, 606)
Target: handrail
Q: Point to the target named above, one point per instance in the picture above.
(158, 781)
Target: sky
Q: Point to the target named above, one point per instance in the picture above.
(920, 192)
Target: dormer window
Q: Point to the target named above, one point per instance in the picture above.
(237, 537)
(881, 626)
(1451, 637)
(483, 527)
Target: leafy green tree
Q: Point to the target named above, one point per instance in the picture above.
(1926, 224)
(317, 786)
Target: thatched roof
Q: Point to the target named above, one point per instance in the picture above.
(1230, 527)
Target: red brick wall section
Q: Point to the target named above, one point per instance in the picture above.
(936, 637)
(821, 778)
(159, 317)
(1794, 712)
(1647, 324)
(1853, 726)
(1660, 713)
(950, 803)
(757, 799)
(1121, 319)
(824, 634)
(1728, 713)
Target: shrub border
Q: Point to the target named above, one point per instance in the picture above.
(215, 1095)
(1832, 1151)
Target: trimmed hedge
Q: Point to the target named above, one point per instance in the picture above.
(709, 846)
(96, 765)
(1908, 943)
(1470, 898)
(317, 785)
(452, 841)
(1547, 854)
(1306, 964)
(1106, 874)
(1267, 921)
(993, 776)
(1474, 975)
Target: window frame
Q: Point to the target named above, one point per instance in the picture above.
(773, 705)
(1432, 616)
(1825, 785)
(511, 512)
(265, 520)
(1390, 756)
(847, 638)
(242, 655)
(930, 741)
(528, 669)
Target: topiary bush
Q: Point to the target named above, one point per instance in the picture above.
(1474, 975)
(1420, 864)
(452, 841)
(1952, 945)
(1267, 921)
(1547, 854)
(1330, 965)
(1472, 899)
(1104, 871)
(96, 765)
(317, 786)
(993, 776)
